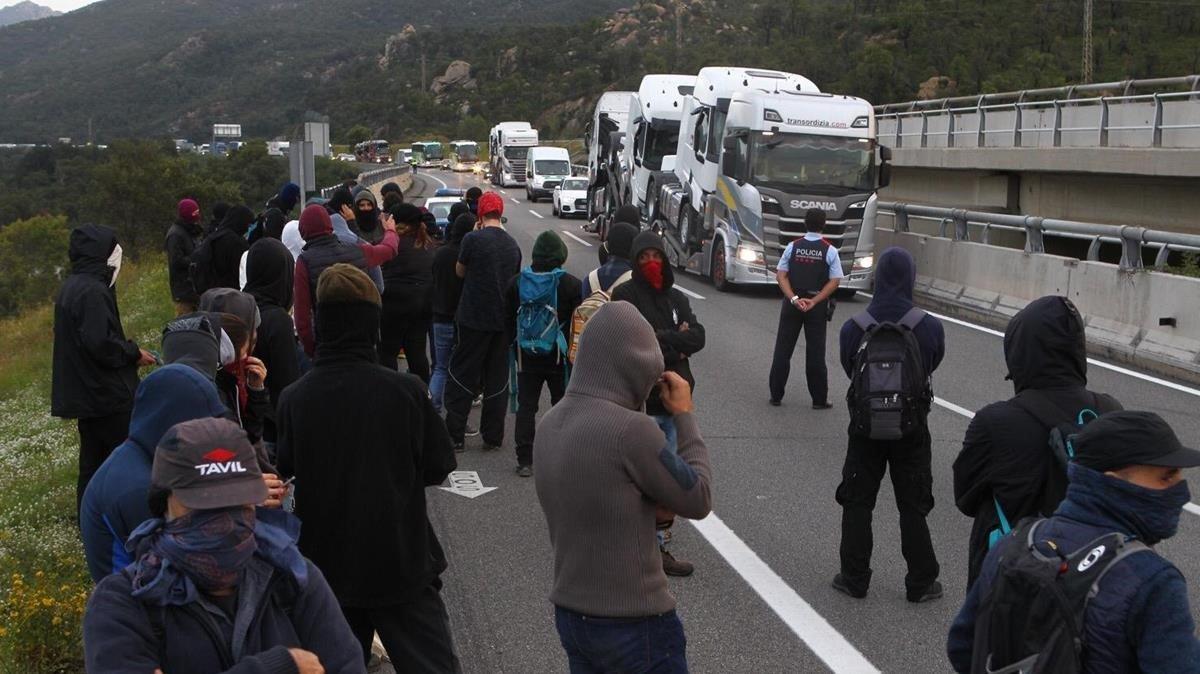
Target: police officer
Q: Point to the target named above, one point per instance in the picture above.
(809, 272)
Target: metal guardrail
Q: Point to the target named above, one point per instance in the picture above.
(1141, 120)
(371, 177)
(956, 223)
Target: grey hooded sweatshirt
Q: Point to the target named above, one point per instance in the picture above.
(602, 465)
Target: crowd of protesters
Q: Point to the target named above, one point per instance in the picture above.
(194, 481)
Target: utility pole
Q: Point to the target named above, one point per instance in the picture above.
(422, 71)
(1087, 41)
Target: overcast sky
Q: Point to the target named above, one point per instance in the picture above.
(60, 5)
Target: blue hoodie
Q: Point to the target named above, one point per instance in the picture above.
(115, 502)
(894, 279)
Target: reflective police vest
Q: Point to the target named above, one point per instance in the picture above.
(808, 268)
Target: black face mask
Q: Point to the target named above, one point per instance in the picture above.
(366, 220)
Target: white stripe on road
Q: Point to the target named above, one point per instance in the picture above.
(1192, 508)
(577, 239)
(536, 214)
(689, 293)
(800, 617)
(514, 200)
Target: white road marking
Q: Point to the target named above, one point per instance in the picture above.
(430, 175)
(577, 239)
(514, 200)
(536, 214)
(466, 483)
(689, 293)
(800, 617)
(1192, 508)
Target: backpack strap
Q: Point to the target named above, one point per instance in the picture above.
(864, 320)
(1129, 547)
(620, 279)
(912, 318)
(594, 280)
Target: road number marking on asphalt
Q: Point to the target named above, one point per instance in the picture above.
(577, 238)
(466, 483)
(535, 213)
(689, 293)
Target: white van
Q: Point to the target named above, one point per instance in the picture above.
(545, 169)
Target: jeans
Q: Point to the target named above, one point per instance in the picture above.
(650, 645)
(443, 342)
(667, 423)
(813, 323)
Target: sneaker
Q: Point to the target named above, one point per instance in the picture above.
(776, 403)
(470, 431)
(525, 471)
(477, 401)
(675, 567)
(822, 406)
(933, 591)
(839, 584)
(459, 448)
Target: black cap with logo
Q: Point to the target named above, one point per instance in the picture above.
(207, 464)
(1127, 438)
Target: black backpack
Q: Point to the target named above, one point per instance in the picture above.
(1032, 618)
(201, 269)
(890, 392)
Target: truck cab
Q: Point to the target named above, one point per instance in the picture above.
(508, 147)
(545, 169)
(655, 113)
(604, 139)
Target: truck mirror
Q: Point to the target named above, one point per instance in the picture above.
(885, 153)
(885, 175)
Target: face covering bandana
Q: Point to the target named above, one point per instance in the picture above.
(114, 261)
(366, 219)
(653, 271)
(208, 547)
(1157, 511)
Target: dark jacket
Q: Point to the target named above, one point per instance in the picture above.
(1004, 454)
(408, 280)
(269, 270)
(95, 367)
(228, 243)
(1140, 620)
(894, 278)
(182, 239)
(447, 286)
(665, 310)
(274, 612)
(608, 273)
(568, 300)
(115, 501)
(361, 469)
(250, 416)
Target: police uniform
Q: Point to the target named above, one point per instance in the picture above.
(810, 263)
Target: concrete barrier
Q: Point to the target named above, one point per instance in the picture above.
(1148, 319)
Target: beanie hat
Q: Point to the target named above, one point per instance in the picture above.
(189, 211)
(314, 222)
(473, 194)
(289, 194)
(549, 250)
(620, 239)
(389, 187)
(491, 204)
(458, 209)
(344, 284)
(628, 214)
(365, 195)
(406, 214)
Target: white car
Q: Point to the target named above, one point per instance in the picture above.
(345, 156)
(570, 198)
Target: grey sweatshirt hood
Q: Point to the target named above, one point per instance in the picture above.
(619, 359)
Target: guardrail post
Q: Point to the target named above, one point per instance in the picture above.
(985, 234)
(1035, 242)
(900, 215)
(981, 126)
(1103, 121)
(1056, 139)
(1158, 119)
(899, 128)
(961, 232)
(924, 129)
(1016, 137)
(1131, 248)
(949, 127)
(1195, 87)
(1093, 254)
(1160, 260)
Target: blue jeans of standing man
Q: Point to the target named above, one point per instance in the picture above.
(666, 422)
(443, 342)
(650, 645)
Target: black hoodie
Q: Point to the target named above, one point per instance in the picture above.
(447, 286)
(182, 239)
(665, 310)
(228, 243)
(95, 367)
(269, 272)
(1005, 454)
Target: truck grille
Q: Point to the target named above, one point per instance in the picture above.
(843, 234)
(550, 184)
(518, 169)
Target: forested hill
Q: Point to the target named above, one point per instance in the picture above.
(157, 68)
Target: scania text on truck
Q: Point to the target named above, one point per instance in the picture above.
(545, 169)
(652, 134)
(463, 155)
(508, 145)
(603, 138)
(757, 149)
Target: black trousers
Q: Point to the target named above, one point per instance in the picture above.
(408, 331)
(98, 437)
(529, 395)
(478, 357)
(813, 322)
(912, 481)
(415, 635)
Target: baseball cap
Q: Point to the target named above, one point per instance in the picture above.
(1128, 438)
(208, 464)
(491, 203)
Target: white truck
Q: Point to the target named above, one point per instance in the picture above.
(545, 169)
(508, 145)
(652, 134)
(603, 139)
(757, 149)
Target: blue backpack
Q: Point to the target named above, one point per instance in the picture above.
(538, 330)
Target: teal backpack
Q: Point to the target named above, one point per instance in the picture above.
(538, 330)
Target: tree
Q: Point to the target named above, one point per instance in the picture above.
(357, 134)
(33, 257)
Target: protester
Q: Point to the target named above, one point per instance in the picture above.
(370, 499)
(907, 452)
(602, 467)
(270, 226)
(1005, 464)
(285, 200)
(323, 250)
(615, 267)
(292, 238)
(270, 270)
(197, 341)
(809, 272)
(219, 210)
(241, 380)
(182, 239)
(367, 218)
(680, 336)
(488, 258)
(391, 195)
(541, 351)
(227, 245)
(472, 197)
(341, 214)
(408, 295)
(215, 586)
(447, 289)
(114, 503)
(94, 372)
(1126, 479)
(625, 215)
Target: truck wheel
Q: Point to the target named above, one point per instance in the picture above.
(718, 273)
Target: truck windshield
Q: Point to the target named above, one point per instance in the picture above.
(789, 160)
(552, 167)
(660, 143)
(516, 152)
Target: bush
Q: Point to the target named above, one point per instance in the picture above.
(33, 255)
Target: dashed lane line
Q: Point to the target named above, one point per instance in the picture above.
(689, 293)
(535, 213)
(513, 199)
(577, 238)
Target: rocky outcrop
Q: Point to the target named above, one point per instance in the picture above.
(938, 86)
(180, 55)
(650, 22)
(457, 78)
(507, 63)
(397, 47)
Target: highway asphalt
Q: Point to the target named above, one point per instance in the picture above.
(760, 599)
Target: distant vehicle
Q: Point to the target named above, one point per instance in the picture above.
(440, 207)
(463, 155)
(346, 156)
(545, 169)
(278, 148)
(204, 148)
(604, 138)
(450, 192)
(404, 157)
(652, 134)
(570, 198)
(427, 154)
(373, 152)
(508, 145)
(183, 145)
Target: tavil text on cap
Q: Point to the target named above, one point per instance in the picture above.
(208, 464)
(1128, 438)
(491, 204)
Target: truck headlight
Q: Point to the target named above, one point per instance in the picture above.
(767, 199)
(859, 204)
(750, 255)
(864, 262)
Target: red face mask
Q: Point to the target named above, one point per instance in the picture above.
(653, 271)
